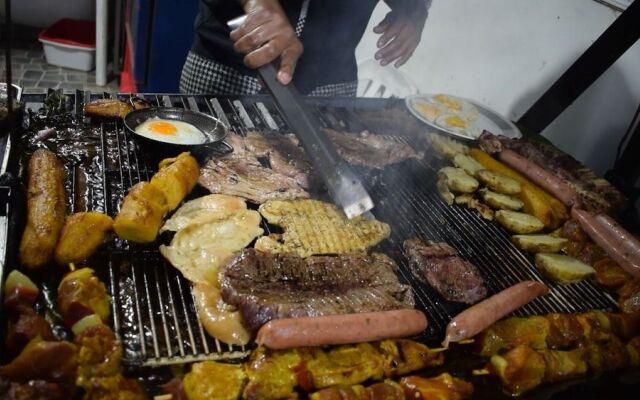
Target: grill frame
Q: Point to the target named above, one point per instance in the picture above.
(163, 330)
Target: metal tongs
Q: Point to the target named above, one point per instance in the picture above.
(344, 186)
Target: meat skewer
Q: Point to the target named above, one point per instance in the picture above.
(480, 316)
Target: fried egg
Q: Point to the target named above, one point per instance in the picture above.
(457, 105)
(429, 111)
(171, 131)
(459, 124)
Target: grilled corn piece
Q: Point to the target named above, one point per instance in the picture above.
(314, 227)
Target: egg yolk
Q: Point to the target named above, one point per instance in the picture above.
(456, 122)
(448, 102)
(163, 128)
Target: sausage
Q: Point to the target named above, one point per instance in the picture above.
(620, 236)
(480, 316)
(539, 175)
(606, 239)
(340, 329)
(46, 209)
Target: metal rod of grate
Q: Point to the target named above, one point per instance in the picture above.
(153, 308)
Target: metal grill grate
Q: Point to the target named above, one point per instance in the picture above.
(153, 309)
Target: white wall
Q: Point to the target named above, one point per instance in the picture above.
(506, 53)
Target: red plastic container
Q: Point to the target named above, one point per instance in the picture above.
(70, 43)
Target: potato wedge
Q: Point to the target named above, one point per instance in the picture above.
(443, 191)
(468, 164)
(458, 180)
(500, 201)
(518, 222)
(563, 268)
(539, 243)
(445, 146)
(536, 201)
(499, 183)
(463, 199)
(484, 210)
(81, 236)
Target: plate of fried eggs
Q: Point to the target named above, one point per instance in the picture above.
(459, 117)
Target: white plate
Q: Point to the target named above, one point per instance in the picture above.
(487, 120)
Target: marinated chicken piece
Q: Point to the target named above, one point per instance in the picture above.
(242, 174)
(387, 390)
(273, 375)
(314, 227)
(219, 319)
(26, 327)
(439, 265)
(199, 250)
(46, 209)
(520, 369)
(512, 332)
(141, 214)
(610, 274)
(176, 178)
(114, 387)
(81, 236)
(370, 150)
(345, 365)
(45, 360)
(210, 380)
(211, 208)
(31, 390)
(443, 387)
(80, 294)
(402, 356)
(99, 355)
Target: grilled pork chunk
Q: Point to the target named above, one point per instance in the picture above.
(439, 265)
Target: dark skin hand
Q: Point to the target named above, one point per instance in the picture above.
(265, 35)
(401, 30)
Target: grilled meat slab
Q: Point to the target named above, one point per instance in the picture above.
(242, 174)
(439, 265)
(265, 286)
(315, 227)
(370, 150)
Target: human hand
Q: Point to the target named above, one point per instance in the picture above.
(265, 35)
(401, 30)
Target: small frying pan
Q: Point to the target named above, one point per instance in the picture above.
(214, 130)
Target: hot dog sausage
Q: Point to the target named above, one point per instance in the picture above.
(340, 329)
(46, 209)
(605, 238)
(480, 316)
(621, 237)
(539, 175)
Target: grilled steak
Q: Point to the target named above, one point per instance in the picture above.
(265, 286)
(439, 265)
(370, 150)
(242, 174)
(283, 154)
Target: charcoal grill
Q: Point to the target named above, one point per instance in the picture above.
(153, 310)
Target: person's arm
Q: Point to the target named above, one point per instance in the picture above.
(265, 35)
(401, 30)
